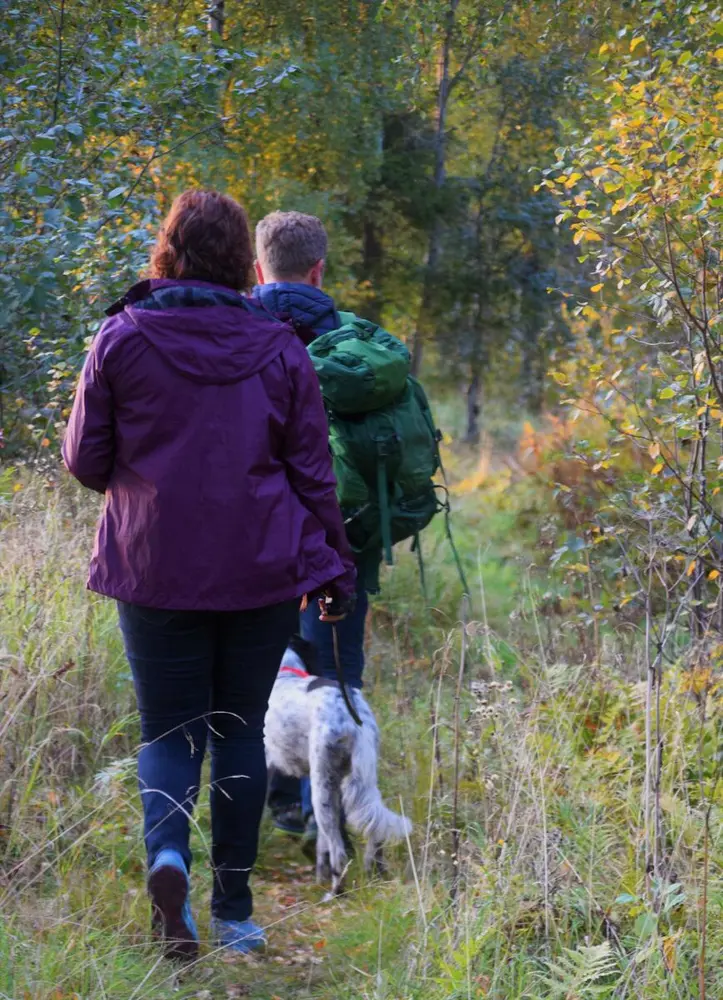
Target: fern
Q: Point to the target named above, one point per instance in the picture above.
(583, 973)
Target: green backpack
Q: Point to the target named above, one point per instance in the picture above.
(383, 438)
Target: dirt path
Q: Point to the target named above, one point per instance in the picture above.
(307, 955)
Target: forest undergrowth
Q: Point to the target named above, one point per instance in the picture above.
(518, 191)
(513, 734)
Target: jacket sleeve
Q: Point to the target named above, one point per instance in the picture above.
(308, 460)
(89, 447)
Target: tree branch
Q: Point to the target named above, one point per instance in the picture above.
(59, 67)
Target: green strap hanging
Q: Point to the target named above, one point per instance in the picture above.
(384, 515)
(417, 547)
(447, 522)
(458, 561)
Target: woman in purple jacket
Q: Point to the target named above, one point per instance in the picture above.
(200, 419)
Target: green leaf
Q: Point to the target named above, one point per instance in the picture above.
(42, 144)
(74, 205)
(116, 195)
(646, 925)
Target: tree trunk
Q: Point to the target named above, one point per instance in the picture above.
(372, 269)
(217, 17)
(532, 374)
(440, 153)
(474, 410)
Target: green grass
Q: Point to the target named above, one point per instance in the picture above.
(548, 896)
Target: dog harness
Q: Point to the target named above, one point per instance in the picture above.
(320, 682)
(293, 671)
(314, 683)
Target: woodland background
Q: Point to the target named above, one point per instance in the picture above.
(530, 194)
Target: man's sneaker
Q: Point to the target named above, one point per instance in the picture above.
(289, 819)
(243, 936)
(172, 920)
(308, 844)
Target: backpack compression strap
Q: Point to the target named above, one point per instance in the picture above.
(384, 515)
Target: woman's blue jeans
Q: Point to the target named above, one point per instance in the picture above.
(204, 677)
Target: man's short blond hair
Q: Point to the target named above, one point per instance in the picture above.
(290, 243)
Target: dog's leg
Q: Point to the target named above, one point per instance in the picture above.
(326, 775)
(374, 858)
(323, 862)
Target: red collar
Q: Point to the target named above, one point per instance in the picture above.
(294, 671)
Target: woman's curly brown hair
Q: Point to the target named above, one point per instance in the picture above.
(204, 236)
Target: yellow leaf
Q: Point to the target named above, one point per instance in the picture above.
(17, 487)
(691, 569)
(714, 574)
(654, 449)
(669, 952)
(696, 680)
(718, 54)
(572, 180)
(657, 468)
(580, 567)
(586, 234)
(619, 205)
(635, 42)
(603, 49)
(596, 288)
(700, 411)
(716, 490)
(560, 378)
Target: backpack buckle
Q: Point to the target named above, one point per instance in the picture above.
(387, 445)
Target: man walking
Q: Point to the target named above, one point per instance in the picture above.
(290, 256)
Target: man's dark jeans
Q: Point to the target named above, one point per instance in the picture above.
(285, 791)
(206, 676)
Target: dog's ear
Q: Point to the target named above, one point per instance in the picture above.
(306, 651)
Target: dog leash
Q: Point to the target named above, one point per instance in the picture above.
(340, 675)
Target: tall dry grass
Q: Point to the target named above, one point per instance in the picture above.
(524, 774)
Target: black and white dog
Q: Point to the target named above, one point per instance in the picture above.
(309, 732)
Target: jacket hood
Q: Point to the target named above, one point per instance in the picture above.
(301, 303)
(206, 332)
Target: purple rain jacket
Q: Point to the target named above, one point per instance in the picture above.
(201, 419)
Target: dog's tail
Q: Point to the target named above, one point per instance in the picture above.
(363, 806)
